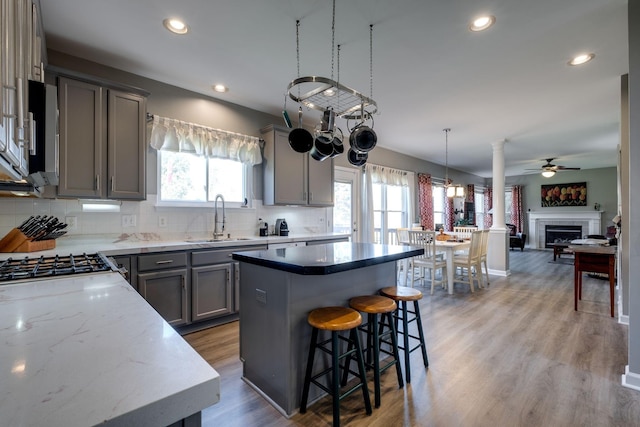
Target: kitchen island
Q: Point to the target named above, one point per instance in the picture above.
(87, 349)
(279, 287)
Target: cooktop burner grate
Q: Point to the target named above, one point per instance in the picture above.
(53, 266)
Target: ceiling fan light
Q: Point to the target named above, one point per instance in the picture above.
(548, 174)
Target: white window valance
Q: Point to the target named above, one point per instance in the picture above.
(183, 137)
(386, 175)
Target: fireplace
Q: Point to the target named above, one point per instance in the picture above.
(588, 220)
(561, 234)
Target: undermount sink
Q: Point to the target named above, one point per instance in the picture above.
(230, 239)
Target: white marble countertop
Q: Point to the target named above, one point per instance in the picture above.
(138, 243)
(87, 350)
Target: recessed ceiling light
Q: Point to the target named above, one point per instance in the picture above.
(175, 26)
(582, 59)
(330, 92)
(220, 88)
(482, 23)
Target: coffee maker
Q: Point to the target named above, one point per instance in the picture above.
(282, 229)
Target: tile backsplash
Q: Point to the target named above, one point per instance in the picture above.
(165, 221)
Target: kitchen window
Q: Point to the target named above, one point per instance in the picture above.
(392, 191)
(184, 179)
(196, 163)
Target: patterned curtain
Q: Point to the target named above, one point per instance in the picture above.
(488, 204)
(449, 216)
(470, 197)
(517, 215)
(426, 200)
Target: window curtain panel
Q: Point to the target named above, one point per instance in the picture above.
(183, 137)
(488, 205)
(425, 200)
(366, 214)
(449, 216)
(517, 215)
(470, 196)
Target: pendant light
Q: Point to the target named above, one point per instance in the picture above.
(450, 190)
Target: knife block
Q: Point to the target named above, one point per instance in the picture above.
(16, 241)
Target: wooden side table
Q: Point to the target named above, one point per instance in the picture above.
(559, 248)
(594, 259)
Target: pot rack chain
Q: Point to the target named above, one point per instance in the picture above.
(323, 93)
(333, 37)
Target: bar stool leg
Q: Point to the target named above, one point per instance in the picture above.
(425, 359)
(335, 371)
(396, 353)
(308, 372)
(373, 320)
(361, 369)
(405, 337)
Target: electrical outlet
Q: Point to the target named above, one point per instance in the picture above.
(162, 221)
(72, 222)
(261, 296)
(128, 220)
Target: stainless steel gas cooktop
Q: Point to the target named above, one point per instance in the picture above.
(25, 268)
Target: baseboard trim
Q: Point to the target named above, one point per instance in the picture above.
(630, 379)
(503, 273)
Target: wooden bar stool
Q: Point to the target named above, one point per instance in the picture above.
(374, 305)
(402, 295)
(335, 319)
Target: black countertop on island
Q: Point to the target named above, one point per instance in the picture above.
(327, 259)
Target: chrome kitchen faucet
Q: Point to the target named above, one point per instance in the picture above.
(217, 234)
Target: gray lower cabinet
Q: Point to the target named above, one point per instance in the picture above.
(187, 287)
(163, 281)
(211, 291)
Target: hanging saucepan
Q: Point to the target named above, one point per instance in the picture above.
(322, 145)
(300, 139)
(363, 138)
(338, 147)
(356, 158)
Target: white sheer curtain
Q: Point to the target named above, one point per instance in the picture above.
(374, 174)
(178, 136)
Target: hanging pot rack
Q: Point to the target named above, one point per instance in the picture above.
(322, 93)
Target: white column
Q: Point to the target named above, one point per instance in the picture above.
(498, 250)
(498, 184)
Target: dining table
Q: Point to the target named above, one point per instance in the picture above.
(449, 247)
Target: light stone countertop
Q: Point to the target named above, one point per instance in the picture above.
(87, 350)
(139, 243)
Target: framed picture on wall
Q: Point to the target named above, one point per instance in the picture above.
(574, 194)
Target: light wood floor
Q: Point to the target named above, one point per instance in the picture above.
(514, 354)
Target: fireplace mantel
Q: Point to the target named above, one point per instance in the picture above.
(589, 220)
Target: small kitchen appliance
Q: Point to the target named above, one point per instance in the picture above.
(282, 229)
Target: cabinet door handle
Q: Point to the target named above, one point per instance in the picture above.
(310, 196)
(20, 91)
(32, 135)
(97, 182)
(113, 184)
(184, 287)
(166, 261)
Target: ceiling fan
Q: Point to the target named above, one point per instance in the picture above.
(549, 169)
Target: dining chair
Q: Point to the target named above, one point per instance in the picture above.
(483, 253)
(404, 265)
(470, 262)
(464, 231)
(431, 259)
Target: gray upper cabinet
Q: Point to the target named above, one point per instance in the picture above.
(102, 135)
(292, 178)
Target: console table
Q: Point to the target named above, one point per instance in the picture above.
(594, 259)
